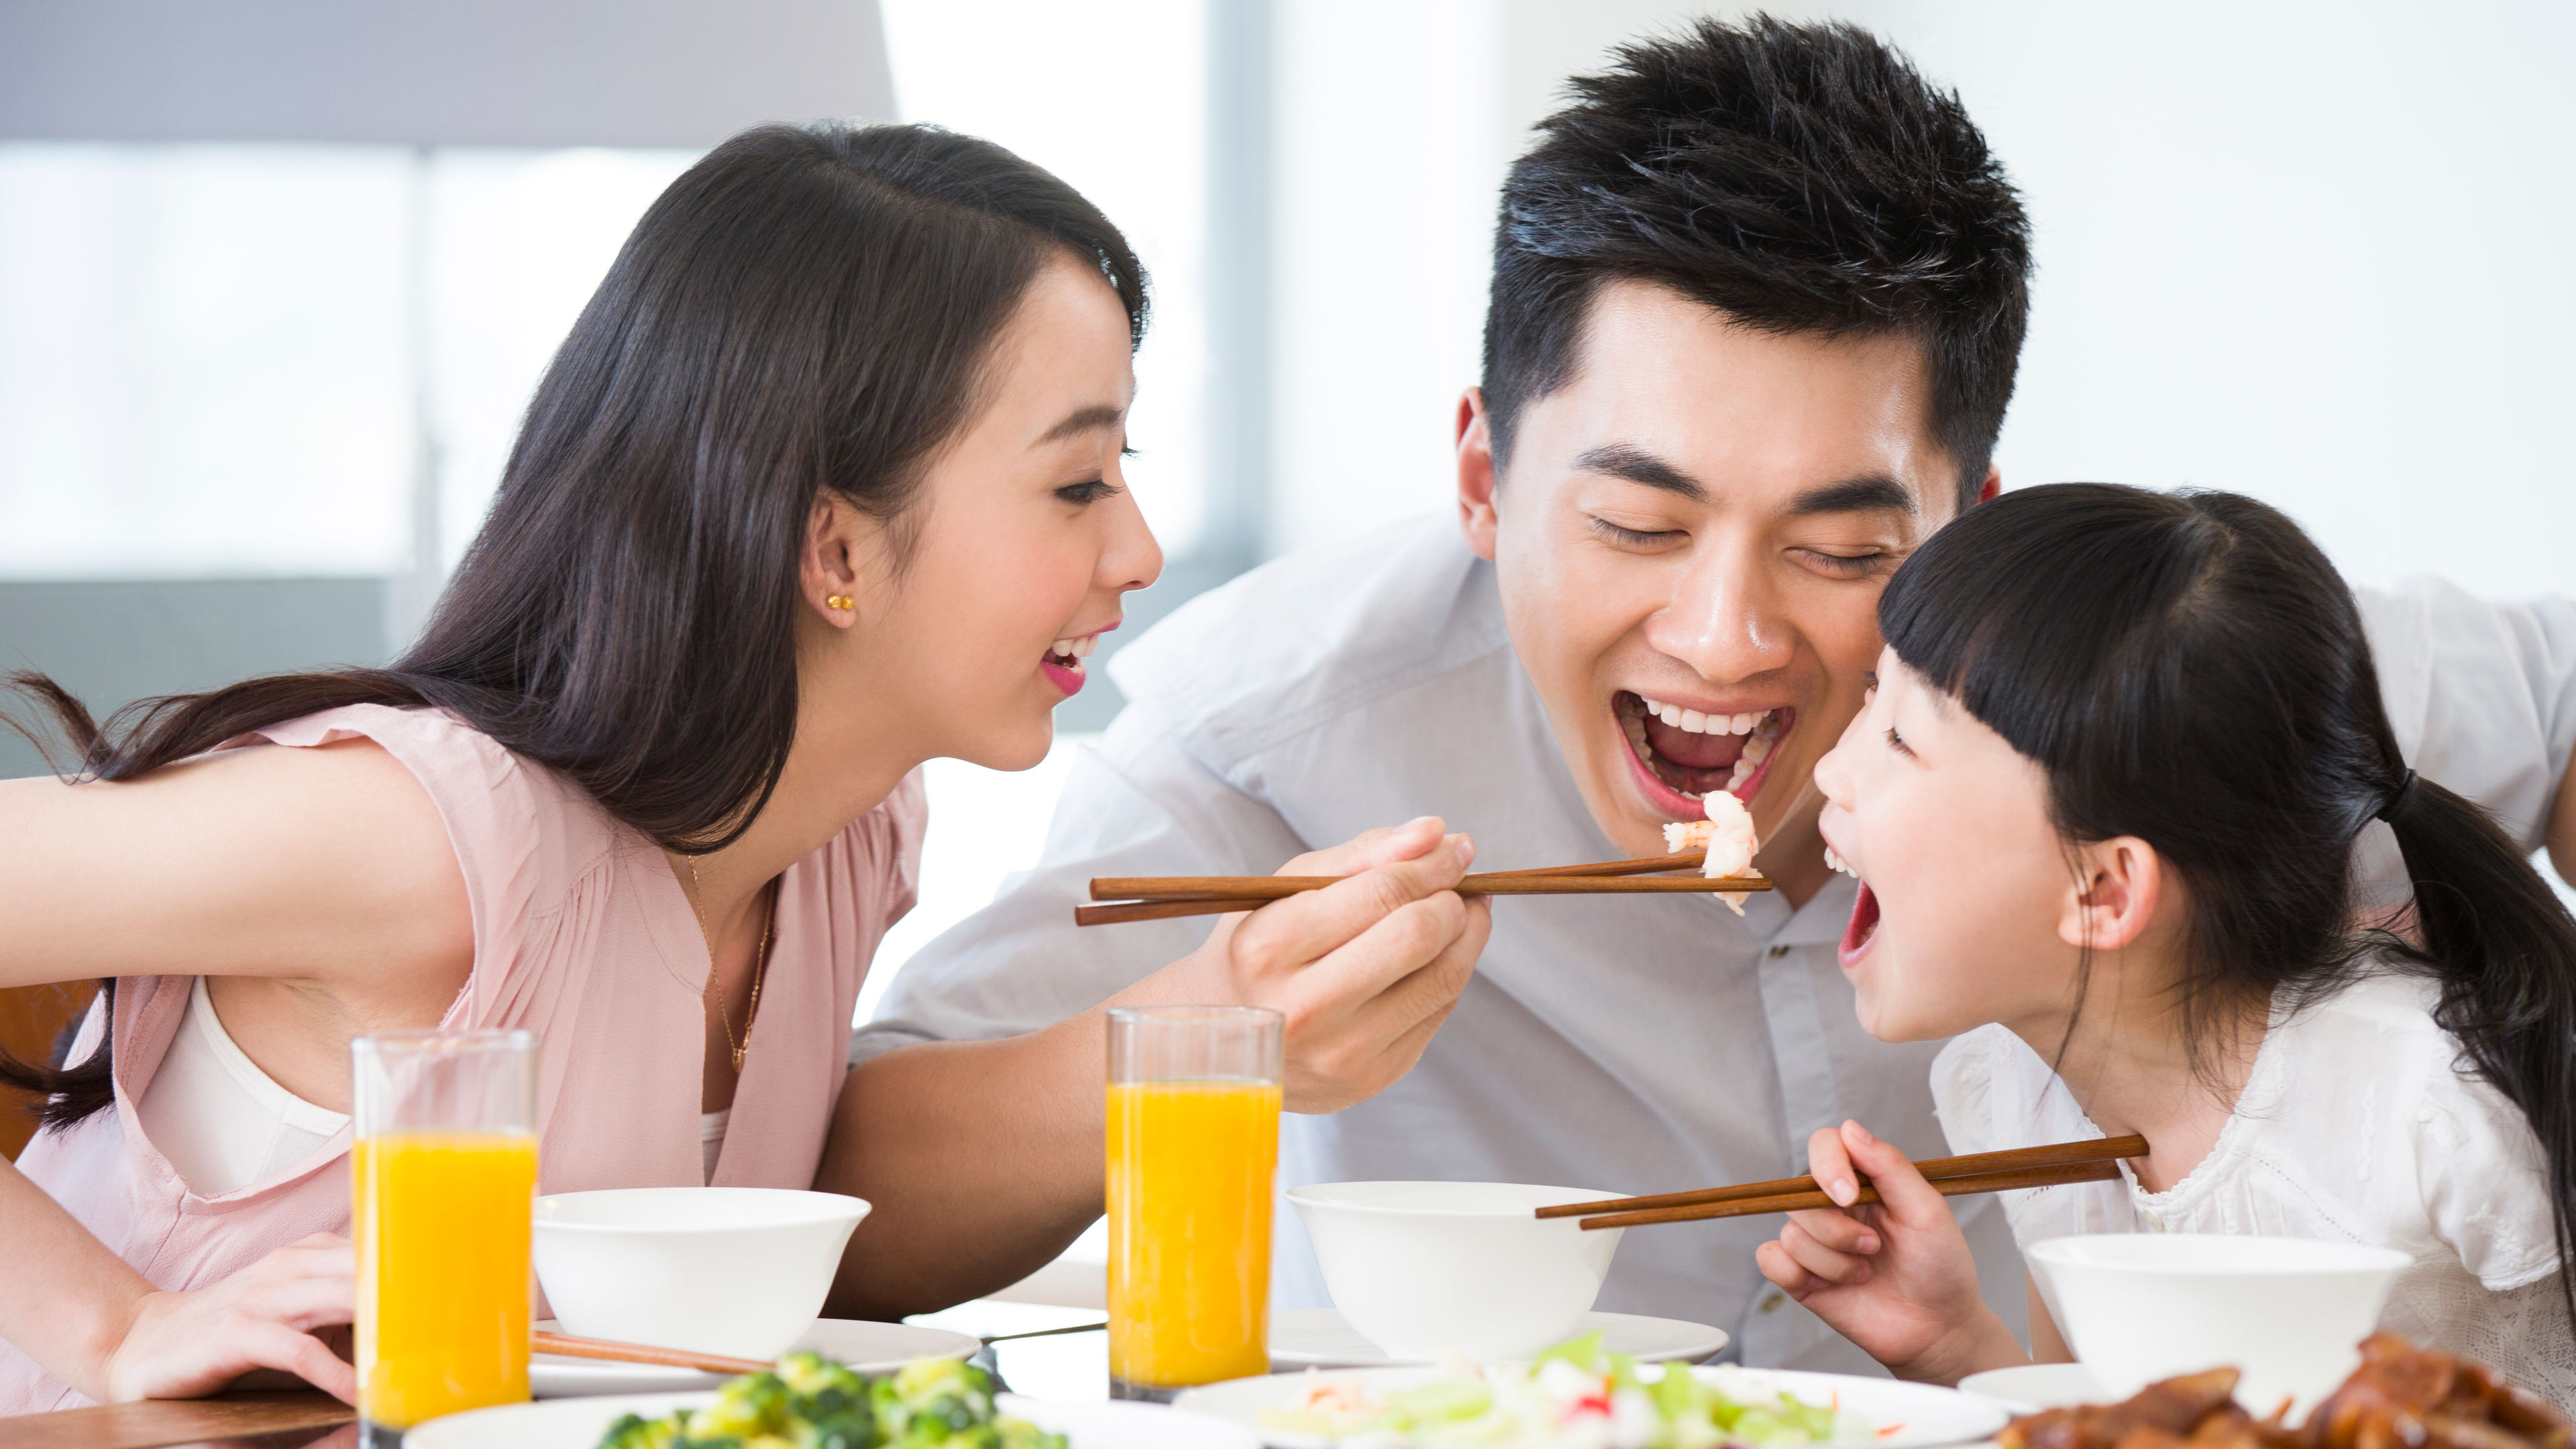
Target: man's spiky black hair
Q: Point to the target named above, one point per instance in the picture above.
(1799, 178)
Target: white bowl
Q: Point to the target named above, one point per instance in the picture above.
(1424, 1269)
(2290, 1312)
(729, 1270)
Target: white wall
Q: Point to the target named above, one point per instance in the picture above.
(1389, 147)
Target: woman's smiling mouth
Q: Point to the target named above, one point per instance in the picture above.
(1681, 755)
(1063, 665)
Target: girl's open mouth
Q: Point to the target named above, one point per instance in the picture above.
(1862, 929)
(1682, 756)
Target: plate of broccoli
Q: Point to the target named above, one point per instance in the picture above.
(808, 1402)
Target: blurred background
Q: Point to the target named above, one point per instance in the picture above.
(277, 276)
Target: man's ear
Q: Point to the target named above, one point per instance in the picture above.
(2119, 887)
(1476, 474)
(1994, 485)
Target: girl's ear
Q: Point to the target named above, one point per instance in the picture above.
(2120, 883)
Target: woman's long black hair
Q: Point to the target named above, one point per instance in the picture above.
(2189, 669)
(804, 309)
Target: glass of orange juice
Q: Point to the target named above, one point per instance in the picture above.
(443, 1166)
(1193, 1148)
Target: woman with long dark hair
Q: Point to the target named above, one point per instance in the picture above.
(825, 482)
(2103, 805)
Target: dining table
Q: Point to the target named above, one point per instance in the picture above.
(1050, 1364)
(253, 1419)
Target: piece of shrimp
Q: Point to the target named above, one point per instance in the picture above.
(1726, 837)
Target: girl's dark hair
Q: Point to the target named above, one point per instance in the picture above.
(2189, 669)
(804, 309)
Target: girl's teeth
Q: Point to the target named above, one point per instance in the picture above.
(1694, 721)
(1836, 862)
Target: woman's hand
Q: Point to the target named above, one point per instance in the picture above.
(1366, 970)
(183, 1345)
(1895, 1277)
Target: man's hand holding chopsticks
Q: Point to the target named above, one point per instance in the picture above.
(1365, 970)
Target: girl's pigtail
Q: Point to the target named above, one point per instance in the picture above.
(2504, 949)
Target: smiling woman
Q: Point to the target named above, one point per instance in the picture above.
(825, 482)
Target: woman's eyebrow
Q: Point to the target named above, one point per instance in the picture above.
(1082, 420)
(1874, 493)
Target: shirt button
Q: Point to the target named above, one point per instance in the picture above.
(1779, 951)
(1771, 1301)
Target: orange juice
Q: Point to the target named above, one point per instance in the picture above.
(442, 1223)
(1190, 1168)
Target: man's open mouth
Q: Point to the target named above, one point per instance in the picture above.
(1695, 755)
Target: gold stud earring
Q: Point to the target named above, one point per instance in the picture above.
(838, 601)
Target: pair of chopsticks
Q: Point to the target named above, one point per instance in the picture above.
(2097, 1160)
(572, 1347)
(1160, 898)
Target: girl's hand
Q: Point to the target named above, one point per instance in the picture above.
(1896, 1276)
(184, 1345)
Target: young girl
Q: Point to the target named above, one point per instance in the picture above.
(2103, 805)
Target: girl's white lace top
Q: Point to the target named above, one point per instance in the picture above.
(2358, 1124)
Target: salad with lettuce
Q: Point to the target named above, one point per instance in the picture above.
(807, 1402)
(1574, 1396)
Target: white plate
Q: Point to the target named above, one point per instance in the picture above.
(578, 1423)
(1921, 1414)
(870, 1348)
(2035, 1386)
(1322, 1338)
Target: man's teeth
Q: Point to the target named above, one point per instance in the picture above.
(1711, 724)
(1836, 862)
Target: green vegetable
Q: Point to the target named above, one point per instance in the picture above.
(808, 1402)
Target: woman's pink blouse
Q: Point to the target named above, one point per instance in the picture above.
(581, 935)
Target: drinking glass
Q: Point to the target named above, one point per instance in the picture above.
(1193, 1146)
(443, 1166)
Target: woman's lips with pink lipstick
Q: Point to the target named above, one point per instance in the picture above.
(1063, 665)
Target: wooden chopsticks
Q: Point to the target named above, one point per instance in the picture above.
(571, 1347)
(2097, 1160)
(1157, 898)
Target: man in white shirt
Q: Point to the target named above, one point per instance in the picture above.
(1757, 303)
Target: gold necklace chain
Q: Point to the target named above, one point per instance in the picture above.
(759, 966)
